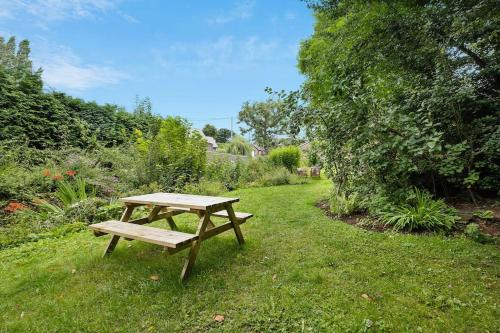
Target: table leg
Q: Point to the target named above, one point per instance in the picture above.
(114, 239)
(210, 224)
(235, 223)
(195, 246)
(171, 223)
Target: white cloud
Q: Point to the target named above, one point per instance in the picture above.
(59, 10)
(127, 17)
(240, 11)
(62, 69)
(290, 16)
(220, 55)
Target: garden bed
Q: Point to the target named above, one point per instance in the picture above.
(465, 210)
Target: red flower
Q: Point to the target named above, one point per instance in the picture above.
(57, 177)
(71, 173)
(13, 206)
(46, 173)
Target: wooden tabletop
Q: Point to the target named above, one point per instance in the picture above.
(178, 200)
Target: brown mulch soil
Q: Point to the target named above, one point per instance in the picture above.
(465, 211)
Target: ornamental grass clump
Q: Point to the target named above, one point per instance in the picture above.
(421, 212)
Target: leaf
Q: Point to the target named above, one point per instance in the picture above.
(365, 296)
(154, 277)
(219, 318)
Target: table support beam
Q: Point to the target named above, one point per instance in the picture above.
(235, 223)
(195, 246)
(114, 239)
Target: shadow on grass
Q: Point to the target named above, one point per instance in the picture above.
(129, 268)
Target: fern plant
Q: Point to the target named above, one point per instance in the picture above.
(420, 213)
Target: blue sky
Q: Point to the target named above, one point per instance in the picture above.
(197, 59)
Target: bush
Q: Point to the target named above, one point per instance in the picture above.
(222, 170)
(342, 204)
(419, 213)
(473, 232)
(205, 187)
(173, 157)
(279, 176)
(289, 157)
(238, 146)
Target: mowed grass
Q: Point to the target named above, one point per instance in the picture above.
(299, 271)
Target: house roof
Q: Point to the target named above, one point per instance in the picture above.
(257, 147)
(209, 139)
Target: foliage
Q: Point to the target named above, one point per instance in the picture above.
(344, 205)
(173, 157)
(223, 135)
(279, 176)
(473, 232)
(484, 214)
(210, 130)
(420, 212)
(227, 172)
(402, 94)
(289, 157)
(238, 146)
(206, 187)
(44, 120)
(71, 193)
(264, 120)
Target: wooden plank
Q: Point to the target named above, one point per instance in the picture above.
(180, 200)
(239, 215)
(195, 246)
(221, 213)
(129, 209)
(157, 236)
(209, 233)
(171, 223)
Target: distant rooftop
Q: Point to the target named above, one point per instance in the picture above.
(209, 139)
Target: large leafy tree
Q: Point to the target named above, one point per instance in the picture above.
(223, 135)
(404, 93)
(29, 116)
(263, 120)
(210, 130)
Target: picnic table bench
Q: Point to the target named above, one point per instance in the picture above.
(165, 206)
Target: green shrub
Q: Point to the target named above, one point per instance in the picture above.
(229, 173)
(473, 232)
(278, 176)
(420, 212)
(238, 146)
(289, 157)
(205, 187)
(173, 157)
(484, 214)
(342, 204)
(84, 210)
(112, 210)
(70, 193)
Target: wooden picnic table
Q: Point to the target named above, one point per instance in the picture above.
(165, 206)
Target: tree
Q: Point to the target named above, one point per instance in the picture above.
(238, 146)
(210, 130)
(223, 135)
(403, 93)
(39, 119)
(263, 120)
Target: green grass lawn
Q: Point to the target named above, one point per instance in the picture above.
(299, 271)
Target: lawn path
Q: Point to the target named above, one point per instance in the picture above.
(299, 271)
